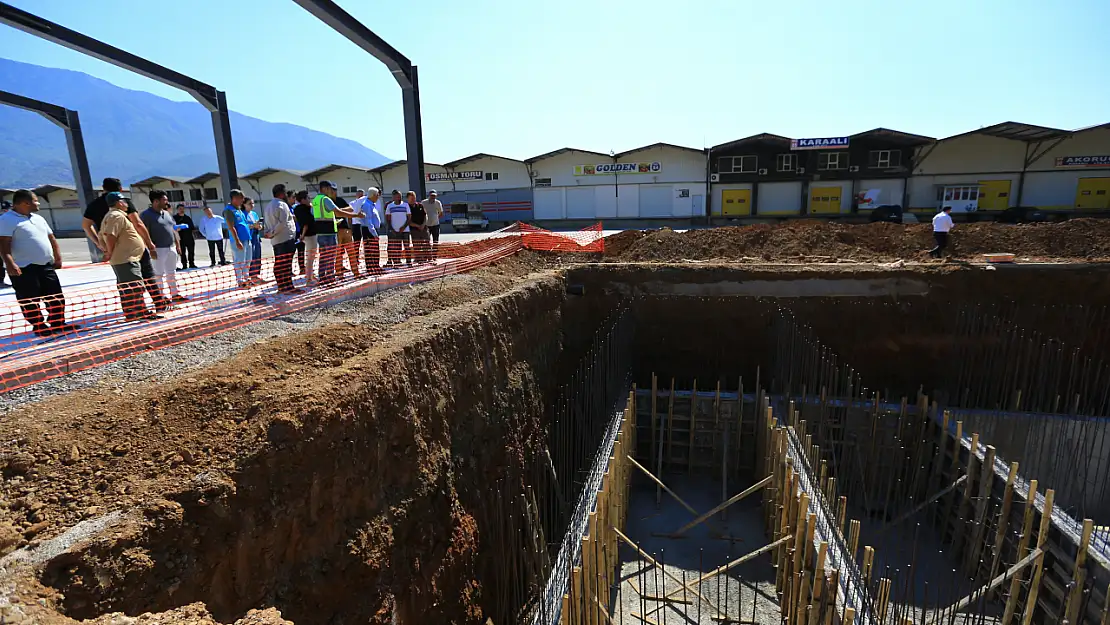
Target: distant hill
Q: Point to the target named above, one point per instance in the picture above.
(133, 134)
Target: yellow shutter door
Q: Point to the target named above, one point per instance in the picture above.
(994, 195)
(824, 200)
(735, 202)
(1093, 193)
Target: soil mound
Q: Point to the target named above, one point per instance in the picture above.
(1079, 239)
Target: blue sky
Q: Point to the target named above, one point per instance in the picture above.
(522, 77)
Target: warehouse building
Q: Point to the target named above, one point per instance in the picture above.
(1013, 164)
(395, 175)
(772, 175)
(653, 181)
(501, 185)
(61, 207)
(260, 184)
(348, 179)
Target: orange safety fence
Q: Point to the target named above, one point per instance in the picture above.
(116, 321)
(214, 303)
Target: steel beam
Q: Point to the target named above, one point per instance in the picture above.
(404, 72)
(70, 122)
(206, 94)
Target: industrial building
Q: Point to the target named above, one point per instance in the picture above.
(982, 171)
(653, 181)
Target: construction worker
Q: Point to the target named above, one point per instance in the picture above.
(324, 211)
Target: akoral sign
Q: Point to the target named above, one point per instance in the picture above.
(609, 169)
(453, 176)
(1083, 161)
(827, 143)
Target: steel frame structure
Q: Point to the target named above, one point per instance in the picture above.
(404, 72)
(212, 99)
(75, 140)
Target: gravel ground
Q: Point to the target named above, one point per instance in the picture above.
(745, 593)
(383, 309)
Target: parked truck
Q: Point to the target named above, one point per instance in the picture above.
(467, 216)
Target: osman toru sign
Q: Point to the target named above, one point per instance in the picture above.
(608, 169)
(453, 176)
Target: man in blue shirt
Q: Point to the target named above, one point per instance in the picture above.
(369, 228)
(240, 233)
(31, 255)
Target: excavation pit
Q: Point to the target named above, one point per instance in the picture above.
(437, 475)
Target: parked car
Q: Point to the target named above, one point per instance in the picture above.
(887, 212)
(1023, 215)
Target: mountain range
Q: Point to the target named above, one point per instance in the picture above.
(132, 135)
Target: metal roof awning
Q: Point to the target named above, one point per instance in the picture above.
(765, 137)
(659, 145)
(327, 169)
(203, 178)
(266, 171)
(553, 153)
(473, 157)
(1016, 131)
(401, 163)
(895, 136)
(153, 180)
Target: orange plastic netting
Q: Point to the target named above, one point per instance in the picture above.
(107, 315)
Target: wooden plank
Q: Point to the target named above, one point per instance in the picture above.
(644, 555)
(1079, 574)
(994, 583)
(965, 502)
(735, 563)
(670, 428)
(693, 427)
(955, 472)
(659, 482)
(986, 480)
(1003, 520)
(653, 453)
(765, 481)
(1022, 551)
(1042, 538)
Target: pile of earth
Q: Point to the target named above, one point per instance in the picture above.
(1077, 239)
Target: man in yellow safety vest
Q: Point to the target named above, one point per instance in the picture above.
(324, 211)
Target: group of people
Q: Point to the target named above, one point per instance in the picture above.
(328, 237)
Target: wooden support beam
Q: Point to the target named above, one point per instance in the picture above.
(994, 583)
(644, 555)
(986, 479)
(660, 483)
(1079, 573)
(1022, 551)
(654, 453)
(1042, 539)
(965, 501)
(1003, 519)
(670, 427)
(765, 481)
(902, 517)
(853, 538)
(693, 427)
(735, 563)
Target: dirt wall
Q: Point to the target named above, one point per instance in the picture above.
(356, 481)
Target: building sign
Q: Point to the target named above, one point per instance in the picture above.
(1083, 161)
(194, 204)
(868, 199)
(543, 182)
(828, 143)
(453, 176)
(71, 203)
(607, 169)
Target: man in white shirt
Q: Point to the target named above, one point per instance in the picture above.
(942, 225)
(397, 215)
(31, 255)
(212, 227)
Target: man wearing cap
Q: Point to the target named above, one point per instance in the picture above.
(435, 214)
(31, 255)
(124, 249)
(324, 211)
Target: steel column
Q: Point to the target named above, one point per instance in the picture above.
(204, 93)
(70, 122)
(404, 72)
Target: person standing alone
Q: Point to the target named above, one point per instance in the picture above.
(942, 225)
(162, 228)
(31, 256)
(435, 215)
(186, 233)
